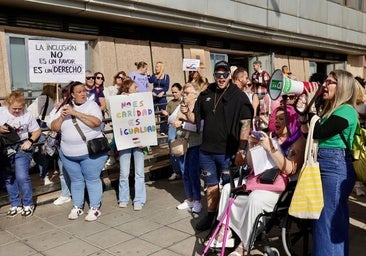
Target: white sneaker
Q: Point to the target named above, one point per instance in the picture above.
(122, 205)
(197, 207)
(47, 181)
(111, 161)
(27, 211)
(75, 213)
(185, 205)
(174, 176)
(93, 214)
(62, 200)
(137, 207)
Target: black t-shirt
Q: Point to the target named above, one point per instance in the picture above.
(222, 123)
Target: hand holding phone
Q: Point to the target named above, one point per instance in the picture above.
(257, 134)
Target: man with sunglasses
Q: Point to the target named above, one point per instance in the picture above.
(227, 113)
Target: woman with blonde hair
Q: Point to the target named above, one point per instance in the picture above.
(190, 164)
(15, 161)
(194, 77)
(335, 128)
(160, 82)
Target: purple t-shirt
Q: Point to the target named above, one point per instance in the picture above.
(141, 80)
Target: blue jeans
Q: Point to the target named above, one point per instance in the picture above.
(330, 231)
(124, 188)
(172, 135)
(64, 178)
(85, 171)
(191, 173)
(215, 168)
(17, 180)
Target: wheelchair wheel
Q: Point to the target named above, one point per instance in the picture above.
(296, 236)
(272, 251)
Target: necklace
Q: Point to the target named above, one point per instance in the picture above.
(218, 100)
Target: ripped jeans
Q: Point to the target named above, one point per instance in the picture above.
(215, 168)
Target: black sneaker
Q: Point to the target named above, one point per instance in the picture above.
(206, 222)
(27, 211)
(14, 211)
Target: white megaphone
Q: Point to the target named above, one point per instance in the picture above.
(282, 85)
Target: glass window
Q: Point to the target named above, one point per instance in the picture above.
(18, 63)
(215, 57)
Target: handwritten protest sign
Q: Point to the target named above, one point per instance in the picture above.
(56, 61)
(191, 64)
(133, 120)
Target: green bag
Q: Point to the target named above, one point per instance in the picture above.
(358, 152)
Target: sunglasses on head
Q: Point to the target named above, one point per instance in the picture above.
(90, 78)
(219, 75)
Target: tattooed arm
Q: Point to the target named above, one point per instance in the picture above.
(243, 145)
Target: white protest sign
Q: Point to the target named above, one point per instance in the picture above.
(56, 61)
(133, 119)
(191, 64)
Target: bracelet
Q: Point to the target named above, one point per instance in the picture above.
(30, 140)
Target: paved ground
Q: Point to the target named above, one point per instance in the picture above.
(158, 230)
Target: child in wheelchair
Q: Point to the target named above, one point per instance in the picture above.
(287, 156)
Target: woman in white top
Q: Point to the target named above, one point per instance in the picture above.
(83, 170)
(15, 159)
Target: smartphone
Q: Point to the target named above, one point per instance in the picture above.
(256, 134)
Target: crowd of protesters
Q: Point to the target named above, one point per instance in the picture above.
(215, 118)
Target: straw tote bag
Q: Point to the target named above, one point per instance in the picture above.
(307, 201)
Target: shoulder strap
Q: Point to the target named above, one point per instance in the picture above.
(75, 123)
(344, 140)
(45, 107)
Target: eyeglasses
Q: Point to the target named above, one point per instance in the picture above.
(329, 81)
(100, 78)
(90, 78)
(219, 75)
(119, 77)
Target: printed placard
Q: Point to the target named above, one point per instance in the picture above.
(191, 64)
(56, 61)
(133, 119)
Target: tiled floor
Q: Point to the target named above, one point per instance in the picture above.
(158, 230)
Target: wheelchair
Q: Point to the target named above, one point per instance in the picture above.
(294, 233)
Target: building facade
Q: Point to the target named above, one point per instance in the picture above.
(308, 36)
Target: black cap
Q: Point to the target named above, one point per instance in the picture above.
(222, 64)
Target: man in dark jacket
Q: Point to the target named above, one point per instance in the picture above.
(227, 114)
